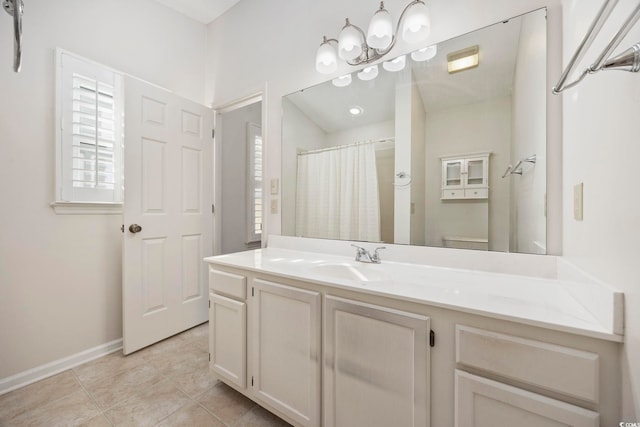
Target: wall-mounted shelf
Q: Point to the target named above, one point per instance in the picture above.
(465, 177)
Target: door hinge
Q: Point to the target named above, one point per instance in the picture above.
(209, 303)
(213, 133)
(213, 208)
(252, 291)
(251, 381)
(432, 338)
(122, 228)
(209, 357)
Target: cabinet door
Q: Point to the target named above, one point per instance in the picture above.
(228, 339)
(481, 402)
(286, 350)
(376, 370)
(476, 172)
(452, 172)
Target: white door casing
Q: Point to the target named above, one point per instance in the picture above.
(168, 192)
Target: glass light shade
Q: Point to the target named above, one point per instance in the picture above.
(396, 64)
(380, 33)
(424, 54)
(417, 25)
(356, 110)
(349, 43)
(342, 81)
(368, 73)
(326, 59)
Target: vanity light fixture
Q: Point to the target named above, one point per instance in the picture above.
(463, 59)
(342, 81)
(356, 48)
(368, 73)
(396, 64)
(425, 54)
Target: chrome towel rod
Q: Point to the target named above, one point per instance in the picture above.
(629, 60)
(15, 8)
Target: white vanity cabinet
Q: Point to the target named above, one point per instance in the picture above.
(285, 336)
(465, 177)
(529, 365)
(376, 366)
(228, 326)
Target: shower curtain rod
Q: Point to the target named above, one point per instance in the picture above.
(339, 147)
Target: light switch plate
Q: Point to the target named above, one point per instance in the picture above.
(274, 206)
(578, 201)
(274, 186)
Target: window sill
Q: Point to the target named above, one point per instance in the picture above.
(87, 208)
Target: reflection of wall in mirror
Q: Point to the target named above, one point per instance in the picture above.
(304, 135)
(480, 127)
(528, 191)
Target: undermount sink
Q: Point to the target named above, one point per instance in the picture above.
(346, 271)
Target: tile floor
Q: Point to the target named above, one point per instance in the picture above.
(167, 384)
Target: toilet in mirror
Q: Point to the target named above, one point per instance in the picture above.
(445, 146)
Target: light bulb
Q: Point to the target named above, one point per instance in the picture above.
(326, 58)
(396, 64)
(425, 54)
(368, 73)
(350, 42)
(417, 25)
(380, 33)
(342, 81)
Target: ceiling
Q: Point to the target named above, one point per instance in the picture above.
(327, 105)
(204, 11)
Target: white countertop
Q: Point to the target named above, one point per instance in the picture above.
(533, 301)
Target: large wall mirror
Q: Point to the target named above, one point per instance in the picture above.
(449, 150)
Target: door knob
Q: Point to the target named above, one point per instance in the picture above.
(135, 228)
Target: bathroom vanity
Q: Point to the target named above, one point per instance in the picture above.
(320, 339)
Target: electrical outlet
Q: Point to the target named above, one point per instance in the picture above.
(274, 206)
(578, 201)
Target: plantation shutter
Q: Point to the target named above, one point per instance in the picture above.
(255, 211)
(91, 132)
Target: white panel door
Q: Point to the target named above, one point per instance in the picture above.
(168, 193)
(286, 350)
(376, 366)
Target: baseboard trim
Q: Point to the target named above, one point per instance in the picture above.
(49, 369)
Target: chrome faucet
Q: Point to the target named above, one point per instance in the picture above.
(363, 255)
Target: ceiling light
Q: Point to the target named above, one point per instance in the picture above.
(424, 54)
(368, 73)
(396, 64)
(355, 110)
(342, 81)
(463, 59)
(356, 48)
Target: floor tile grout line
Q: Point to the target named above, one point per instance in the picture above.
(95, 402)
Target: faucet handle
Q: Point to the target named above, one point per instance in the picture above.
(359, 248)
(376, 256)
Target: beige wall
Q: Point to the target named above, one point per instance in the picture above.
(60, 275)
(473, 128)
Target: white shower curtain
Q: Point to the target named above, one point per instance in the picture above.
(337, 194)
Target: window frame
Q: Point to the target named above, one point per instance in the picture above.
(86, 201)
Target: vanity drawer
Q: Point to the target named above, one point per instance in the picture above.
(453, 194)
(476, 193)
(548, 366)
(230, 284)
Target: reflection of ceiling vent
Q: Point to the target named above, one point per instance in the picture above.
(463, 59)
